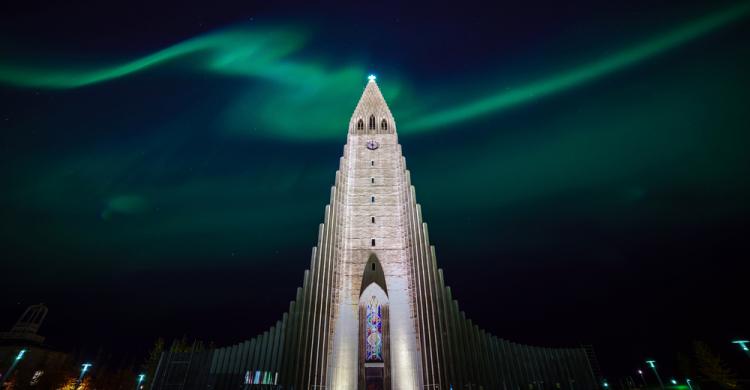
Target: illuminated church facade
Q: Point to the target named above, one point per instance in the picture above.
(373, 311)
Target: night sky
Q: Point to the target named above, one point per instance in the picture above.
(583, 167)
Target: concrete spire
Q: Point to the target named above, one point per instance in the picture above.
(371, 111)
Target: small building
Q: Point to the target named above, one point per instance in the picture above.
(25, 361)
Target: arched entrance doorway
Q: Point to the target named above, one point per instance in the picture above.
(374, 330)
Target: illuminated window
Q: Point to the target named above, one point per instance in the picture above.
(374, 331)
(372, 122)
(383, 125)
(360, 124)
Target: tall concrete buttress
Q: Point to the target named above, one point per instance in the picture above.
(374, 311)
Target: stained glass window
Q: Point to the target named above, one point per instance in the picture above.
(374, 331)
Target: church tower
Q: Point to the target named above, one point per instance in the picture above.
(374, 327)
(373, 311)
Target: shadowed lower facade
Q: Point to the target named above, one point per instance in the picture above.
(373, 311)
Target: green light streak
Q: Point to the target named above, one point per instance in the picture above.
(230, 52)
(124, 204)
(582, 74)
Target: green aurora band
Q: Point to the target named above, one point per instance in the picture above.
(222, 51)
(311, 90)
(584, 73)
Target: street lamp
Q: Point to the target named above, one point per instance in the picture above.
(141, 377)
(20, 354)
(674, 381)
(84, 367)
(743, 345)
(640, 372)
(13, 365)
(652, 364)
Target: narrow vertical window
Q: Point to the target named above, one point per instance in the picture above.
(373, 219)
(383, 125)
(372, 122)
(360, 124)
(372, 180)
(373, 242)
(373, 331)
(372, 163)
(372, 199)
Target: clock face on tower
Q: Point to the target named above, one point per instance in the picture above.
(372, 144)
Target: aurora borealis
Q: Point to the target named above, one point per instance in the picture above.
(188, 168)
(262, 53)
